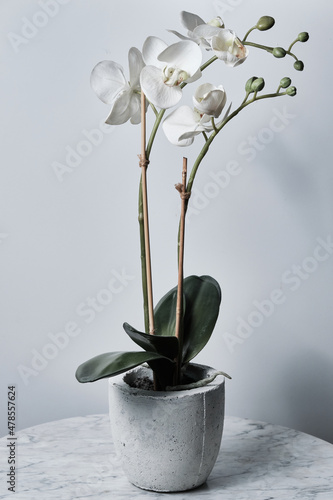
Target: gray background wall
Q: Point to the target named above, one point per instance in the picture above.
(264, 233)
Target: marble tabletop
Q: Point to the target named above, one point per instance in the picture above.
(74, 459)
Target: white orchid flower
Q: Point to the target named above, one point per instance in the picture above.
(184, 123)
(191, 22)
(227, 47)
(167, 67)
(109, 83)
(210, 100)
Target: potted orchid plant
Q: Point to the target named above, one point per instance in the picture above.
(160, 381)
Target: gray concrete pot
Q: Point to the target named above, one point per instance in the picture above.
(167, 441)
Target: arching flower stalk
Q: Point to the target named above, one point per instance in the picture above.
(161, 72)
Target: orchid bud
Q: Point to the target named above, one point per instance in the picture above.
(303, 37)
(265, 23)
(216, 22)
(291, 91)
(248, 85)
(299, 65)
(258, 85)
(279, 52)
(228, 47)
(285, 82)
(209, 100)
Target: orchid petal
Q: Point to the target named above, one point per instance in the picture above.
(178, 122)
(203, 43)
(182, 37)
(181, 126)
(157, 92)
(206, 121)
(107, 80)
(210, 100)
(136, 117)
(190, 21)
(206, 31)
(195, 77)
(135, 62)
(225, 38)
(214, 103)
(191, 134)
(229, 48)
(217, 22)
(185, 55)
(203, 89)
(124, 107)
(152, 47)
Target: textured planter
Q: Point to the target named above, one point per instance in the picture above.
(167, 441)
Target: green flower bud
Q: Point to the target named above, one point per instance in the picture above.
(265, 23)
(291, 91)
(279, 52)
(216, 22)
(258, 85)
(299, 65)
(303, 37)
(285, 82)
(248, 85)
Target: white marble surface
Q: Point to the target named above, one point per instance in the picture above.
(74, 459)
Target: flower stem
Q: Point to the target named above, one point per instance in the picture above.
(202, 67)
(259, 46)
(143, 260)
(292, 44)
(179, 329)
(213, 123)
(210, 139)
(247, 34)
(144, 199)
(246, 97)
(159, 117)
(292, 55)
(208, 63)
(269, 49)
(205, 135)
(154, 132)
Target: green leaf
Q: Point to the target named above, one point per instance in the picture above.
(165, 314)
(213, 281)
(163, 369)
(166, 346)
(203, 298)
(113, 363)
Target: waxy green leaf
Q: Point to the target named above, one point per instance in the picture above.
(201, 304)
(166, 346)
(113, 363)
(165, 314)
(203, 298)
